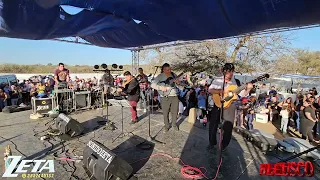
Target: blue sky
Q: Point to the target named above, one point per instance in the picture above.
(43, 52)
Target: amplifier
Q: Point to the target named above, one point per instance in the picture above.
(82, 100)
(103, 164)
(42, 105)
(69, 126)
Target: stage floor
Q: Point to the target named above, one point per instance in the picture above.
(241, 161)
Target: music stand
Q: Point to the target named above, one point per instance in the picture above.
(120, 103)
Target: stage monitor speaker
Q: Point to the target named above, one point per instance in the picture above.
(69, 126)
(103, 164)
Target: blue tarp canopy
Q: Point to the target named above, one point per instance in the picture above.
(112, 23)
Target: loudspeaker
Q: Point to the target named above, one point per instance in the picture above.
(67, 125)
(103, 164)
(82, 100)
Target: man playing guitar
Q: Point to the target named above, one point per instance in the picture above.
(169, 95)
(216, 87)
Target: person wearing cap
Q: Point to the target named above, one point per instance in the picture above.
(216, 87)
(132, 90)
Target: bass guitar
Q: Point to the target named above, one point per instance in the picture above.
(170, 84)
(232, 93)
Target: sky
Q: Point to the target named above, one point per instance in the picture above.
(21, 51)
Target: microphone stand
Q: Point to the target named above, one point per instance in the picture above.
(221, 113)
(150, 97)
(154, 73)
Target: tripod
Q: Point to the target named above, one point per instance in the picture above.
(122, 104)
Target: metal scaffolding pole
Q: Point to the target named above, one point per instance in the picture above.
(135, 61)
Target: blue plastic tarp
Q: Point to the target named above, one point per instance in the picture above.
(110, 23)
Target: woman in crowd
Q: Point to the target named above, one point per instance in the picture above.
(308, 119)
(3, 99)
(14, 95)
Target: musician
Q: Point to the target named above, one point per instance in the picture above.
(61, 75)
(169, 95)
(108, 82)
(144, 84)
(216, 87)
(132, 90)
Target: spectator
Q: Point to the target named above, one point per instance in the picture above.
(3, 99)
(308, 119)
(273, 91)
(14, 95)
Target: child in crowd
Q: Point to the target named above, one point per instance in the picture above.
(284, 113)
(202, 99)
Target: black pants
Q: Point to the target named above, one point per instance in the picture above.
(170, 104)
(306, 129)
(213, 127)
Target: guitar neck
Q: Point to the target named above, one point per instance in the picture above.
(239, 89)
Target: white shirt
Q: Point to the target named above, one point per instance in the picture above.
(217, 83)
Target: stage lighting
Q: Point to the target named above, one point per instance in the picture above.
(104, 66)
(114, 66)
(120, 67)
(96, 66)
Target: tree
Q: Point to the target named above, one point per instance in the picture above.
(248, 53)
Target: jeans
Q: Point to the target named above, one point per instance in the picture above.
(2, 104)
(14, 101)
(284, 124)
(298, 120)
(181, 107)
(143, 100)
(250, 118)
(133, 109)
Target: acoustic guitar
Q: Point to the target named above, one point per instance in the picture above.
(232, 93)
(170, 85)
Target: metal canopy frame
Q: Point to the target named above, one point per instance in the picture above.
(135, 50)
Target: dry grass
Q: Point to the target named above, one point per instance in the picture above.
(43, 69)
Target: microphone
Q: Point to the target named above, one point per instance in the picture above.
(157, 66)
